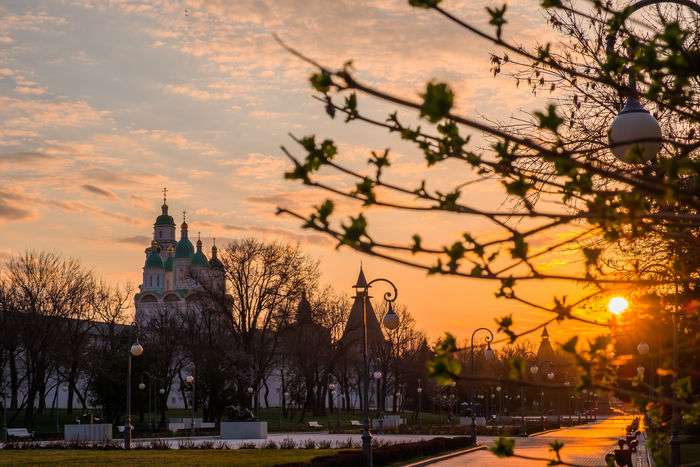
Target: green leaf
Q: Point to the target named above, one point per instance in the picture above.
(549, 121)
(551, 4)
(498, 18)
(321, 81)
(437, 102)
(424, 3)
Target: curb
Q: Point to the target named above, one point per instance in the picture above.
(432, 460)
(543, 432)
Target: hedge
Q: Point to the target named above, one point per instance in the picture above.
(386, 455)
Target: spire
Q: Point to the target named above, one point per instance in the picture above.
(214, 262)
(545, 334)
(304, 314)
(183, 227)
(199, 242)
(164, 207)
(361, 280)
(165, 218)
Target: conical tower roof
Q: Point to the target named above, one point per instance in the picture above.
(546, 351)
(353, 333)
(304, 314)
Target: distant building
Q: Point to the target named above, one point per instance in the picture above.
(173, 270)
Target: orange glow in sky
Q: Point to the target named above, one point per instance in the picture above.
(618, 305)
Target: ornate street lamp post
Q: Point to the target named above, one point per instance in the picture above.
(136, 350)
(390, 321)
(250, 394)
(636, 132)
(191, 380)
(419, 393)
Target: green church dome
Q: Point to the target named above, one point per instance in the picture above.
(165, 219)
(153, 260)
(199, 258)
(184, 248)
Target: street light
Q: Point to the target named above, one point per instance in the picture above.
(419, 391)
(136, 350)
(534, 369)
(389, 297)
(643, 348)
(391, 320)
(192, 382)
(250, 394)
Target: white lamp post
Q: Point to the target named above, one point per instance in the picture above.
(136, 350)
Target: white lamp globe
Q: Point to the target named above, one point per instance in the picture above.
(331, 386)
(189, 379)
(635, 135)
(391, 319)
(161, 391)
(498, 388)
(640, 371)
(136, 350)
(250, 390)
(550, 375)
(377, 375)
(489, 354)
(643, 348)
(419, 390)
(534, 369)
(142, 386)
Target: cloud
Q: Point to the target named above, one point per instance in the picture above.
(9, 212)
(23, 157)
(140, 240)
(36, 91)
(258, 166)
(98, 191)
(312, 239)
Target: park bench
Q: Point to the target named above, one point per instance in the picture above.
(314, 424)
(19, 433)
(355, 423)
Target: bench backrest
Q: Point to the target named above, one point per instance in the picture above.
(18, 432)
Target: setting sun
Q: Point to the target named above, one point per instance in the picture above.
(618, 305)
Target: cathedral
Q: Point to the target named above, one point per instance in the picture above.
(174, 269)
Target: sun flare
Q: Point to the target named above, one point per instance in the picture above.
(618, 305)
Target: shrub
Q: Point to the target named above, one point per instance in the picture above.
(309, 444)
(347, 444)
(247, 445)
(390, 454)
(186, 444)
(288, 443)
(270, 444)
(324, 444)
(160, 444)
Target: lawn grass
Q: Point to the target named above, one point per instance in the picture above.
(690, 453)
(247, 457)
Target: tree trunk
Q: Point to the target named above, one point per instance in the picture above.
(14, 383)
(71, 389)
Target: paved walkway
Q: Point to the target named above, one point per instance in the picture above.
(583, 445)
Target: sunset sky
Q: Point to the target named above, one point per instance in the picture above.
(102, 104)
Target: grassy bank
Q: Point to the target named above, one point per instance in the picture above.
(247, 457)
